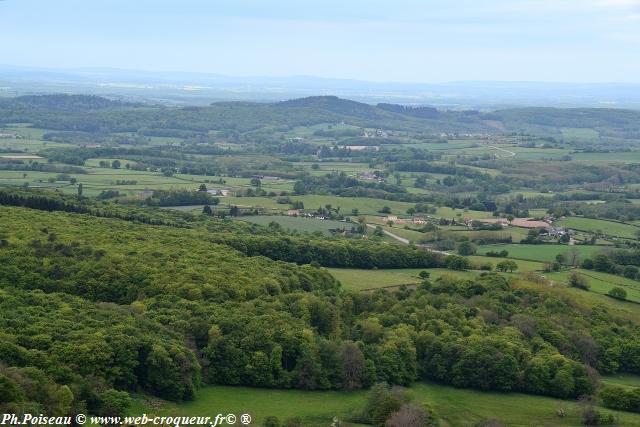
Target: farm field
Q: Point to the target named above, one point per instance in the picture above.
(365, 206)
(580, 133)
(456, 407)
(602, 283)
(446, 212)
(358, 279)
(595, 158)
(523, 265)
(609, 228)
(304, 225)
(516, 233)
(543, 252)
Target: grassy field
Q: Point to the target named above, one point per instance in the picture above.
(523, 265)
(365, 206)
(624, 380)
(580, 133)
(602, 283)
(617, 157)
(308, 225)
(446, 212)
(316, 408)
(547, 252)
(455, 407)
(598, 225)
(357, 279)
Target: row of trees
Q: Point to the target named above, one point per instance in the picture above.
(332, 252)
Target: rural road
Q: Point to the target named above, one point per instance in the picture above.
(390, 234)
(406, 241)
(509, 153)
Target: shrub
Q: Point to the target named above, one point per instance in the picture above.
(491, 422)
(409, 415)
(617, 293)
(577, 280)
(271, 421)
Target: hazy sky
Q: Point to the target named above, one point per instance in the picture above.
(396, 40)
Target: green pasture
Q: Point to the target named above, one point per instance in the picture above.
(623, 380)
(611, 157)
(526, 153)
(95, 162)
(447, 212)
(601, 283)
(359, 279)
(580, 133)
(592, 225)
(523, 265)
(454, 407)
(365, 206)
(30, 145)
(306, 225)
(543, 252)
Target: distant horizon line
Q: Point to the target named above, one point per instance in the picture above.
(210, 74)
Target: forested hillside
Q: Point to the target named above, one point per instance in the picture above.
(94, 308)
(98, 115)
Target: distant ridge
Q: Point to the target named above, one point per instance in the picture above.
(180, 88)
(333, 104)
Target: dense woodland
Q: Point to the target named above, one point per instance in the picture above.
(95, 114)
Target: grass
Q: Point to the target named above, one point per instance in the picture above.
(95, 162)
(259, 202)
(613, 157)
(601, 283)
(316, 408)
(523, 265)
(299, 224)
(365, 206)
(542, 253)
(446, 212)
(623, 380)
(591, 225)
(453, 406)
(359, 279)
(97, 179)
(580, 133)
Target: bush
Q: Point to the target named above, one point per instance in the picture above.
(615, 398)
(409, 415)
(382, 402)
(577, 280)
(502, 254)
(271, 421)
(619, 398)
(466, 248)
(507, 265)
(617, 293)
(491, 422)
